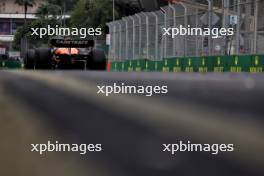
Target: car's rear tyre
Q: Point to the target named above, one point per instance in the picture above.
(29, 61)
(99, 59)
(43, 58)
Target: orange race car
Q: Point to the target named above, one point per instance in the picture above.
(66, 54)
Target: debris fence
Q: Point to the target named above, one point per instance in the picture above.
(141, 36)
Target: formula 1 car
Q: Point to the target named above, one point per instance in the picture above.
(66, 54)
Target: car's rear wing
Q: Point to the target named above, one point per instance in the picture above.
(69, 43)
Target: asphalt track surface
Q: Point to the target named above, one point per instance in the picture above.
(201, 108)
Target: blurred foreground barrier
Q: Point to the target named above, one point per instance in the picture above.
(9, 64)
(247, 63)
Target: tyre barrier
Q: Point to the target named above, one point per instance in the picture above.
(245, 63)
(9, 64)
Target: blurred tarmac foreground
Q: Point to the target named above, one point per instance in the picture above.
(41, 106)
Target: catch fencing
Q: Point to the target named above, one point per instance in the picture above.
(141, 36)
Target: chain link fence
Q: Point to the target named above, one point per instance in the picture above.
(141, 36)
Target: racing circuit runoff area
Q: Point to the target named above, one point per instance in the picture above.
(139, 112)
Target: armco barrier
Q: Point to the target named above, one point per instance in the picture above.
(11, 64)
(247, 63)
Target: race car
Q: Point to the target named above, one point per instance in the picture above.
(66, 54)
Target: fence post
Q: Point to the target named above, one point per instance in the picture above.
(126, 21)
(185, 25)
(140, 36)
(238, 28)
(165, 37)
(196, 37)
(174, 25)
(156, 35)
(256, 26)
(225, 7)
(134, 35)
(147, 33)
(114, 42)
(120, 40)
(210, 10)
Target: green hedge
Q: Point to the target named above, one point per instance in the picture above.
(247, 63)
